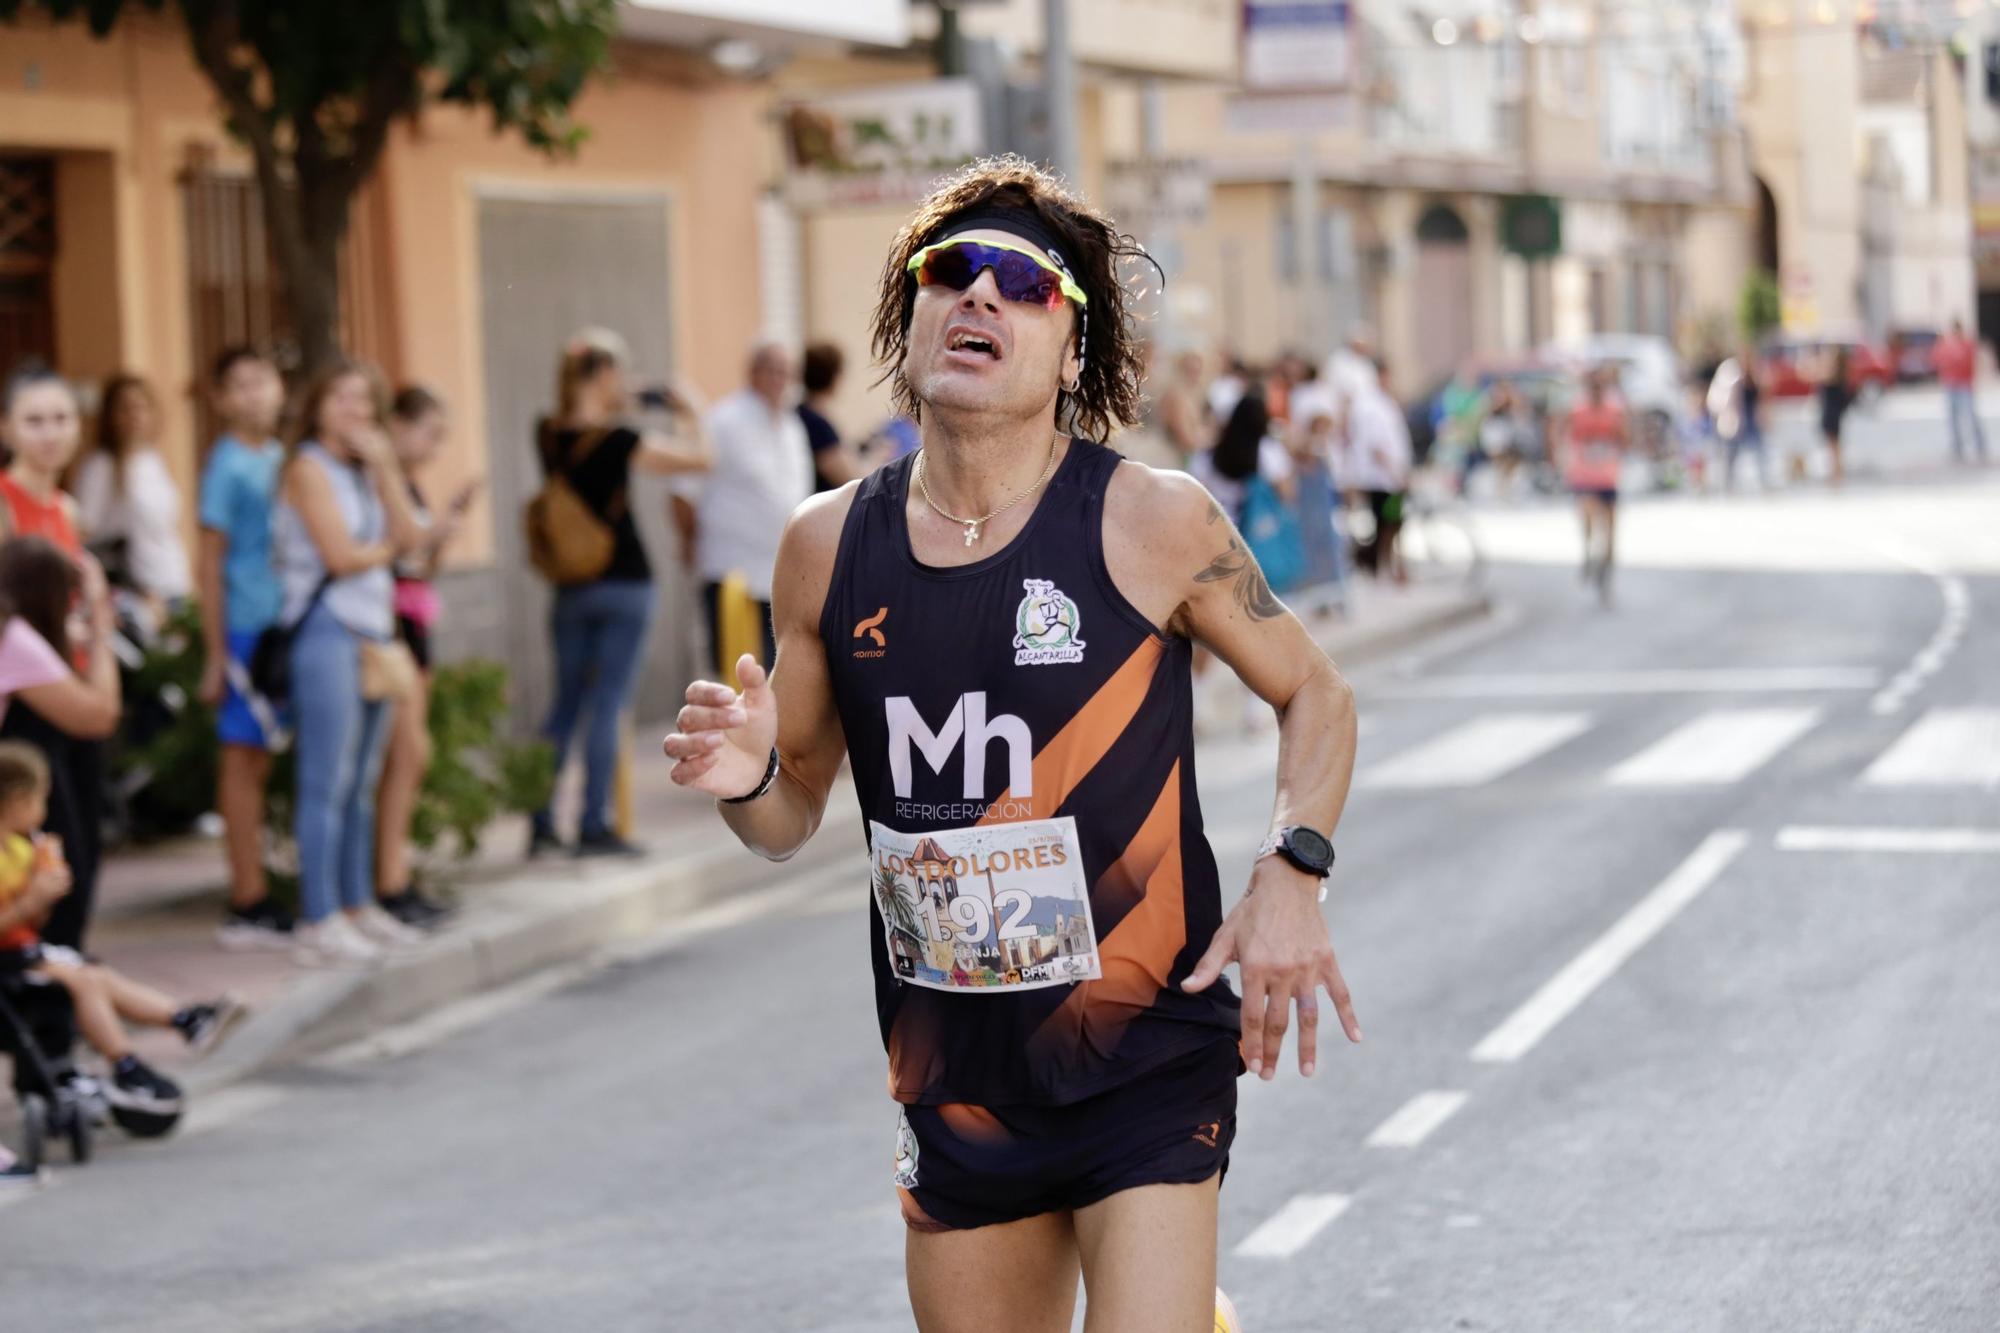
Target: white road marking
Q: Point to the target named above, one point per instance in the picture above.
(1414, 1121)
(1292, 1227)
(1942, 841)
(1478, 751)
(1719, 747)
(225, 1106)
(1930, 659)
(1946, 747)
(1563, 992)
(1568, 684)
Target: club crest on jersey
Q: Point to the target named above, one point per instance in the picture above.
(1047, 627)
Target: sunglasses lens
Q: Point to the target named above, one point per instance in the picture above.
(1022, 279)
(1018, 277)
(948, 266)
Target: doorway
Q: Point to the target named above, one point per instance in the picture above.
(551, 263)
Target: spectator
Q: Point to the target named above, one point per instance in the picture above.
(1146, 440)
(33, 882)
(1835, 397)
(1245, 449)
(34, 667)
(1379, 469)
(343, 517)
(126, 495)
(762, 473)
(1957, 359)
(834, 464)
(39, 425)
(1183, 409)
(417, 426)
(600, 625)
(1315, 484)
(1227, 389)
(240, 599)
(1743, 418)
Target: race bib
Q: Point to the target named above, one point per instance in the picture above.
(1000, 907)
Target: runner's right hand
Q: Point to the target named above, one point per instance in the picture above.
(724, 739)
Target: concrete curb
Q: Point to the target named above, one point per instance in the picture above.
(534, 922)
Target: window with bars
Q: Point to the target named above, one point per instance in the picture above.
(27, 257)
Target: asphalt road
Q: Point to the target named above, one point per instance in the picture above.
(1672, 929)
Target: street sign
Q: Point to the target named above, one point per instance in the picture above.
(1297, 44)
(1531, 226)
(882, 145)
(1171, 192)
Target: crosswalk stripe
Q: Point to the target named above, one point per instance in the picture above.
(1415, 1119)
(1293, 1226)
(1941, 841)
(1944, 747)
(1721, 746)
(1477, 751)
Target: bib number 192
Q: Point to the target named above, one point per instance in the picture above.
(972, 918)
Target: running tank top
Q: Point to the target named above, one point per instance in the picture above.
(1024, 686)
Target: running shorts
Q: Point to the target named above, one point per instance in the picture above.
(960, 1166)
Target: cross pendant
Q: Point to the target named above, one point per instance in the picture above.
(971, 531)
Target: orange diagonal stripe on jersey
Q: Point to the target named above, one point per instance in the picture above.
(1065, 760)
(1138, 955)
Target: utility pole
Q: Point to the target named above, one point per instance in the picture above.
(1059, 88)
(1305, 245)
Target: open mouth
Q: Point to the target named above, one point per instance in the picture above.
(974, 344)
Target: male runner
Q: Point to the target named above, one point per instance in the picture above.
(996, 630)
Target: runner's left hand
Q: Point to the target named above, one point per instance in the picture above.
(1278, 938)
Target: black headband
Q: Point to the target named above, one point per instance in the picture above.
(1014, 220)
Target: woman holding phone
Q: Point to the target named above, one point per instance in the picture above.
(417, 428)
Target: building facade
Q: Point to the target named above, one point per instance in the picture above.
(130, 239)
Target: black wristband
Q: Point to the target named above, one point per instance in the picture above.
(770, 776)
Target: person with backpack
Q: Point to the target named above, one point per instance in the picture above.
(582, 537)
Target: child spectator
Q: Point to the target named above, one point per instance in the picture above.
(33, 879)
(239, 600)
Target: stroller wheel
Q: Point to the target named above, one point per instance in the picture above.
(79, 1133)
(34, 1129)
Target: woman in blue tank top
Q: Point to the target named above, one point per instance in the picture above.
(343, 517)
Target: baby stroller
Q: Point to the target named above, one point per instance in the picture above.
(58, 1100)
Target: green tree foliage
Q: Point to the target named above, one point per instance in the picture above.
(1758, 307)
(312, 89)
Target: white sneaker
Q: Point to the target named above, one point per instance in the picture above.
(380, 928)
(334, 942)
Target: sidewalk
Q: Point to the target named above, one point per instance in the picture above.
(158, 908)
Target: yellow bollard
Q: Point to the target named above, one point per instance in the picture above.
(738, 632)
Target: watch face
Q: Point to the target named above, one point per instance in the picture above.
(1311, 846)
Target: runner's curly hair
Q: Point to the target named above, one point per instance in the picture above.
(1107, 392)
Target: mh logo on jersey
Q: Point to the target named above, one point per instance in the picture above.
(1047, 627)
(967, 722)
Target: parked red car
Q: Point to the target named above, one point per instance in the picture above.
(1793, 366)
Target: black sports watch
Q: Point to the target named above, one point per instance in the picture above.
(1308, 849)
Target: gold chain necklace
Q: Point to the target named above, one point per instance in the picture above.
(972, 525)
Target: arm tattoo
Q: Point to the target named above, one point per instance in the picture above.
(1253, 594)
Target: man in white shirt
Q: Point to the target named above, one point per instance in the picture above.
(1378, 466)
(730, 520)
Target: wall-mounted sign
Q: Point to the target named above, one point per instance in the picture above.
(882, 145)
(1297, 44)
(1171, 191)
(1531, 226)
